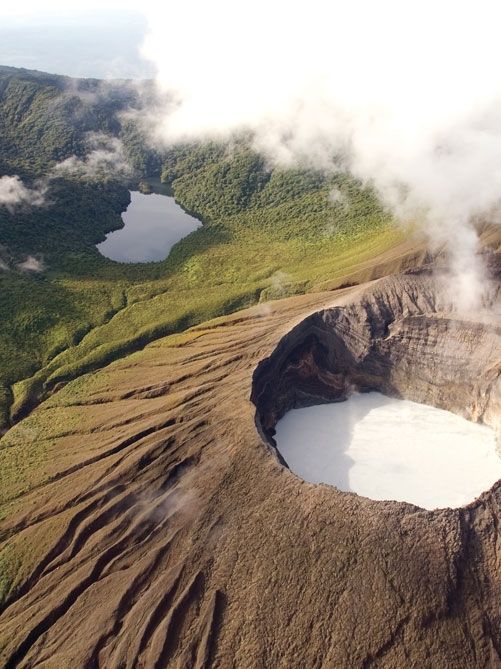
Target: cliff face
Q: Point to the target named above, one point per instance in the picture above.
(159, 527)
(402, 338)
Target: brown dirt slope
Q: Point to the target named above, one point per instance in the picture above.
(156, 527)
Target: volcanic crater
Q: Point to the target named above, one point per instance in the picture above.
(406, 342)
(402, 342)
(160, 529)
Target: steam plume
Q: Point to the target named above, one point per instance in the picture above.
(407, 94)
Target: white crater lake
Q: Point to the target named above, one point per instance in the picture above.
(390, 449)
(152, 225)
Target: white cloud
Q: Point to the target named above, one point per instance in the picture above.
(336, 196)
(105, 158)
(14, 193)
(31, 264)
(410, 93)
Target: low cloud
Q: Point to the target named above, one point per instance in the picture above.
(14, 193)
(280, 285)
(336, 196)
(31, 264)
(106, 158)
(407, 97)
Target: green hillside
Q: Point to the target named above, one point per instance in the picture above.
(267, 232)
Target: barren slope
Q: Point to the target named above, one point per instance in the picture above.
(155, 526)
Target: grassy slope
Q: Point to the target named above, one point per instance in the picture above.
(266, 233)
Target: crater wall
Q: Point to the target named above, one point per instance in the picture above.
(402, 339)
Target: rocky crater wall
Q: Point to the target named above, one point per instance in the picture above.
(402, 339)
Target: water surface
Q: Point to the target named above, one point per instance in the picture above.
(386, 448)
(152, 225)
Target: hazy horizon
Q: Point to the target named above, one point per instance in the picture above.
(101, 44)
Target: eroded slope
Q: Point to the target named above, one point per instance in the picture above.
(155, 527)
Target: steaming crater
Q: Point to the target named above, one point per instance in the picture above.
(403, 340)
(391, 449)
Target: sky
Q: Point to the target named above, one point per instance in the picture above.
(79, 39)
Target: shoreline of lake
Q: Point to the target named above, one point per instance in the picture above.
(153, 224)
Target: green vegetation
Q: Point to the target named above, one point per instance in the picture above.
(267, 233)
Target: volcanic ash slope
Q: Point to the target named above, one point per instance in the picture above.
(155, 525)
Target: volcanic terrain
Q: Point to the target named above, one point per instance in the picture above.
(155, 524)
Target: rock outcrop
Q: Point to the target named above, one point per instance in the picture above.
(157, 526)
